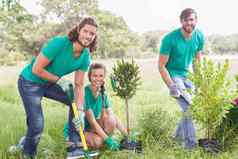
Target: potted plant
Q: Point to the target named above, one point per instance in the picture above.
(213, 95)
(125, 81)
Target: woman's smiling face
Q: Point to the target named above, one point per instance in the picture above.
(97, 77)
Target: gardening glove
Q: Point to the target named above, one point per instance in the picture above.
(174, 91)
(67, 87)
(79, 121)
(111, 143)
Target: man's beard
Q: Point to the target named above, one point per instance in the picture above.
(188, 31)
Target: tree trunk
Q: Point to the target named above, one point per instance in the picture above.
(127, 116)
(208, 128)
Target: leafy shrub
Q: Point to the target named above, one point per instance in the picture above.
(227, 131)
(213, 95)
(156, 126)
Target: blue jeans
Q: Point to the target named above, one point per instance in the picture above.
(185, 129)
(32, 94)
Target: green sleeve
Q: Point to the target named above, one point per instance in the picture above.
(86, 61)
(52, 47)
(166, 46)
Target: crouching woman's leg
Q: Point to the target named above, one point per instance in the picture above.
(93, 140)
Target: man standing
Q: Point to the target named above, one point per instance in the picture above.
(177, 51)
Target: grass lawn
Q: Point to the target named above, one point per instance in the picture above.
(151, 97)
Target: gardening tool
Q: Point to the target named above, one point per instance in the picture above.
(182, 93)
(178, 92)
(68, 89)
(186, 96)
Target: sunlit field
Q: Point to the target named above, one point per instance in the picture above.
(151, 105)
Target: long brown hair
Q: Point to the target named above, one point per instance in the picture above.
(73, 34)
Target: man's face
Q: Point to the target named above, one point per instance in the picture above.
(86, 35)
(189, 23)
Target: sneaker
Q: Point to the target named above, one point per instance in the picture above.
(24, 156)
(75, 152)
(15, 149)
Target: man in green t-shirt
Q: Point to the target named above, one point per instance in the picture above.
(178, 49)
(42, 78)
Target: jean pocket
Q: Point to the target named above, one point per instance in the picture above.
(30, 87)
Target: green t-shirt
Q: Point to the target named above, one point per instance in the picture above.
(94, 104)
(181, 52)
(59, 51)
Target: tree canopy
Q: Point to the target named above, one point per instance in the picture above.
(22, 34)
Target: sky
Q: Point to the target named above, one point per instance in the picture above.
(214, 16)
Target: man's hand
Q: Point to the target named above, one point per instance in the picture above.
(177, 93)
(174, 91)
(79, 121)
(112, 144)
(67, 87)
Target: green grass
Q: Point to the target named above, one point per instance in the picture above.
(151, 97)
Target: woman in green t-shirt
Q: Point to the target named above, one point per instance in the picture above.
(100, 121)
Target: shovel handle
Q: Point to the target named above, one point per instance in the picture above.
(76, 114)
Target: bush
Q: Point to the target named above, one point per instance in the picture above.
(213, 95)
(156, 127)
(227, 131)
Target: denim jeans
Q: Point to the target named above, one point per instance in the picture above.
(185, 131)
(32, 94)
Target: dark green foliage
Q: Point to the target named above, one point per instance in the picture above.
(127, 78)
(228, 129)
(213, 94)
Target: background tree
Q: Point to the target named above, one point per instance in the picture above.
(151, 40)
(14, 22)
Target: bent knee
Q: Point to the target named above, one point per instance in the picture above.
(110, 124)
(98, 142)
(37, 126)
